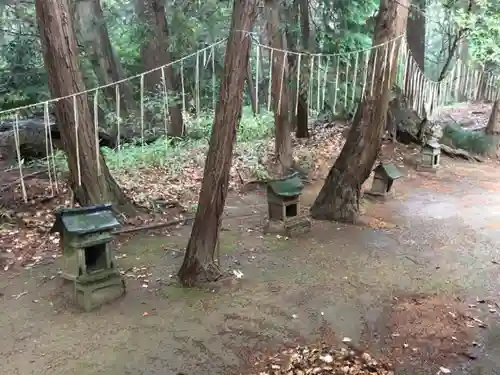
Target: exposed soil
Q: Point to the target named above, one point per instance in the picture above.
(427, 330)
(434, 239)
(163, 197)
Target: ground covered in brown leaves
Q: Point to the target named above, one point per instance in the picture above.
(164, 196)
(166, 193)
(324, 359)
(421, 332)
(431, 330)
(343, 277)
(469, 116)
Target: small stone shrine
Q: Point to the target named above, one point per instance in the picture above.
(284, 207)
(384, 176)
(430, 155)
(88, 261)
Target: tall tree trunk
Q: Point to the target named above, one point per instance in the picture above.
(462, 44)
(493, 126)
(302, 130)
(283, 139)
(65, 78)
(415, 30)
(292, 34)
(155, 53)
(93, 34)
(251, 90)
(463, 48)
(199, 262)
(454, 43)
(482, 92)
(339, 196)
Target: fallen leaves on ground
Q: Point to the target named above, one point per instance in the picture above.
(431, 329)
(25, 237)
(321, 360)
(470, 116)
(166, 193)
(376, 223)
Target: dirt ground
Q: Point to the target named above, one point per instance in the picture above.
(437, 236)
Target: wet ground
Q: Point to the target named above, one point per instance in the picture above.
(439, 234)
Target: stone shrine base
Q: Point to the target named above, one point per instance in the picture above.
(422, 168)
(377, 195)
(90, 296)
(290, 227)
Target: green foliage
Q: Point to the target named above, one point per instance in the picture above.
(475, 142)
(483, 31)
(22, 77)
(126, 32)
(345, 27)
(337, 26)
(251, 127)
(252, 135)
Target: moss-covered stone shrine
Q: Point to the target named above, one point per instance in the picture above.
(88, 263)
(384, 176)
(283, 200)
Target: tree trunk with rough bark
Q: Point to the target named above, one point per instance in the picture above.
(155, 53)
(251, 90)
(292, 34)
(339, 197)
(60, 54)
(493, 126)
(93, 34)
(415, 30)
(199, 263)
(283, 139)
(462, 44)
(302, 130)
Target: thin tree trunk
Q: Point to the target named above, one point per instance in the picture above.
(92, 30)
(339, 196)
(482, 94)
(302, 130)
(493, 126)
(65, 78)
(283, 139)
(155, 53)
(199, 263)
(251, 90)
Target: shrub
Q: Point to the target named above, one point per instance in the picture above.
(475, 142)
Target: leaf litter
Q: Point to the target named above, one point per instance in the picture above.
(322, 359)
(166, 193)
(163, 193)
(434, 330)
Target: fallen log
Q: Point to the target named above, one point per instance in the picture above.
(17, 181)
(32, 138)
(459, 153)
